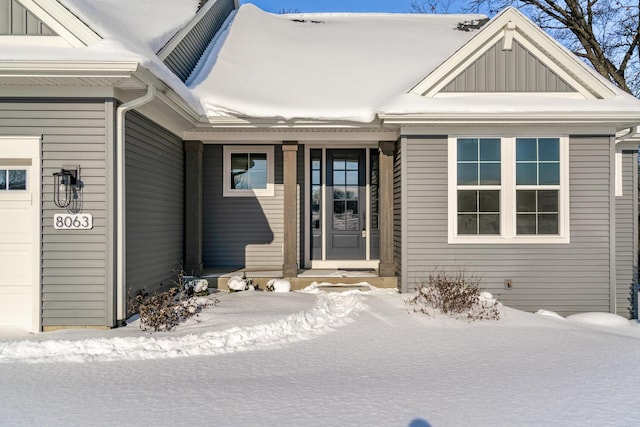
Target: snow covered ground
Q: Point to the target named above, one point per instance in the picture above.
(328, 359)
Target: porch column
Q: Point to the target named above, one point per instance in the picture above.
(387, 267)
(289, 154)
(193, 207)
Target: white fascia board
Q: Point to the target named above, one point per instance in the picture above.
(531, 35)
(67, 68)
(252, 122)
(294, 134)
(620, 119)
(35, 40)
(62, 21)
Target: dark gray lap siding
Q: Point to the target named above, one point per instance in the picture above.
(240, 232)
(154, 204)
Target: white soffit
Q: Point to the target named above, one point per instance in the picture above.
(62, 21)
(507, 26)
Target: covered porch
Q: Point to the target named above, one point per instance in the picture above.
(293, 240)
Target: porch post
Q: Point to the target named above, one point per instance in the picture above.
(193, 207)
(387, 266)
(289, 153)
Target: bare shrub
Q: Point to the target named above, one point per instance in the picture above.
(164, 311)
(455, 295)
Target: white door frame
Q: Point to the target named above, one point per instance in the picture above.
(29, 148)
(324, 263)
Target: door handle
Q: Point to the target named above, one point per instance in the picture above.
(364, 233)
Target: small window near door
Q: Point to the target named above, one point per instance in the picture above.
(248, 171)
(13, 179)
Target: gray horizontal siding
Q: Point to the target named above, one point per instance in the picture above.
(240, 232)
(515, 70)
(626, 226)
(562, 277)
(15, 19)
(155, 204)
(184, 57)
(75, 276)
(397, 211)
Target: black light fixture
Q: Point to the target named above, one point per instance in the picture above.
(65, 186)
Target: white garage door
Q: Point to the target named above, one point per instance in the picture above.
(19, 233)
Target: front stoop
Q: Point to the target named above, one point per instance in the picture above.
(305, 278)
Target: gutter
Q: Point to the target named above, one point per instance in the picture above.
(121, 274)
(632, 133)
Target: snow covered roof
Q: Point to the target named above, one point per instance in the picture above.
(334, 67)
(322, 66)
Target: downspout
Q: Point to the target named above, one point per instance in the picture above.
(121, 270)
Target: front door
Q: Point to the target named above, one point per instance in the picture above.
(346, 207)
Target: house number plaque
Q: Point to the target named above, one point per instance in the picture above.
(73, 221)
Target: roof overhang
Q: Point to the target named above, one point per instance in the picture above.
(65, 73)
(619, 120)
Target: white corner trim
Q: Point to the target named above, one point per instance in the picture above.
(618, 171)
(62, 21)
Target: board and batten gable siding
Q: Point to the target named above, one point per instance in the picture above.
(240, 232)
(566, 278)
(16, 20)
(515, 70)
(626, 232)
(185, 56)
(77, 273)
(154, 204)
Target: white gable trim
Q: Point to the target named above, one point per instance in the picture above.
(62, 21)
(511, 25)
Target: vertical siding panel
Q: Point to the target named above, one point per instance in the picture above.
(564, 277)
(16, 20)
(5, 16)
(516, 70)
(490, 73)
(74, 266)
(155, 204)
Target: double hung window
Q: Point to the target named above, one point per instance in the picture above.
(508, 190)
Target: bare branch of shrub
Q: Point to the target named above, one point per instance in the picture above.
(455, 295)
(164, 311)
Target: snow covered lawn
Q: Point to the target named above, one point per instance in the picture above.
(327, 359)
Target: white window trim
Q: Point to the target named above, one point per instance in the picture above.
(508, 196)
(232, 192)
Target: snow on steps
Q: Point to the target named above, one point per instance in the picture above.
(342, 279)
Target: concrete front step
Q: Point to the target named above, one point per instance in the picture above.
(329, 283)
